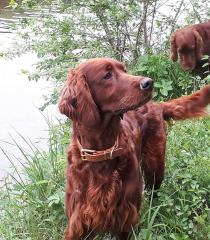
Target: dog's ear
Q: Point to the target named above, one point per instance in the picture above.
(199, 45)
(173, 55)
(76, 101)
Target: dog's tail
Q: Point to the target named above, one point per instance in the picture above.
(194, 105)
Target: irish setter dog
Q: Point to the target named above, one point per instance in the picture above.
(118, 138)
(191, 44)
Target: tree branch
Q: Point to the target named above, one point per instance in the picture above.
(176, 16)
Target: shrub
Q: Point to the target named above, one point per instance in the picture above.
(170, 80)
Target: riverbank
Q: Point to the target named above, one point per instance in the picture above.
(20, 98)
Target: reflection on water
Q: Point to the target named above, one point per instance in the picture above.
(19, 102)
(19, 98)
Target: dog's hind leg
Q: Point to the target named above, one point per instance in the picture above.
(123, 236)
(153, 155)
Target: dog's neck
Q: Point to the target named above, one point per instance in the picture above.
(99, 137)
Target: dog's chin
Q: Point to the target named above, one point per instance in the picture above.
(188, 67)
(121, 111)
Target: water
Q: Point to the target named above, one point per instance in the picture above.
(19, 98)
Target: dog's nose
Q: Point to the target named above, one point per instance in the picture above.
(146, 84)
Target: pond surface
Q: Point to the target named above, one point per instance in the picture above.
(19, 98)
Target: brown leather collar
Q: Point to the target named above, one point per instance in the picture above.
(98, 156)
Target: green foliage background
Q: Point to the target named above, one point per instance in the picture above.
(62, 33)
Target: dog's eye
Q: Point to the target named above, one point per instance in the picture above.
(107, 76)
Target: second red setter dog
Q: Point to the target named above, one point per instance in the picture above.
(191, 44)
(118, 137)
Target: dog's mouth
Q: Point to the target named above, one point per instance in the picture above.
(188, 67)
(121, 111)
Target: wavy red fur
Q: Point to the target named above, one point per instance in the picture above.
(188, 106)
(190, 44)
(105, 197)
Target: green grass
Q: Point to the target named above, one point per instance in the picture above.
(182, 209)
(32, 206)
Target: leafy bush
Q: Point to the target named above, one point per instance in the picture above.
(62, 33)
(170, 80)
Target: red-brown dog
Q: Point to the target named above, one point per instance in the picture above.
(191, 44)
(118, 136)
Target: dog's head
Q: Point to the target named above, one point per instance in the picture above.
(99, 86)
(188, 45)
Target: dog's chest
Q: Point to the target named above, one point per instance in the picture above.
(106, 193)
